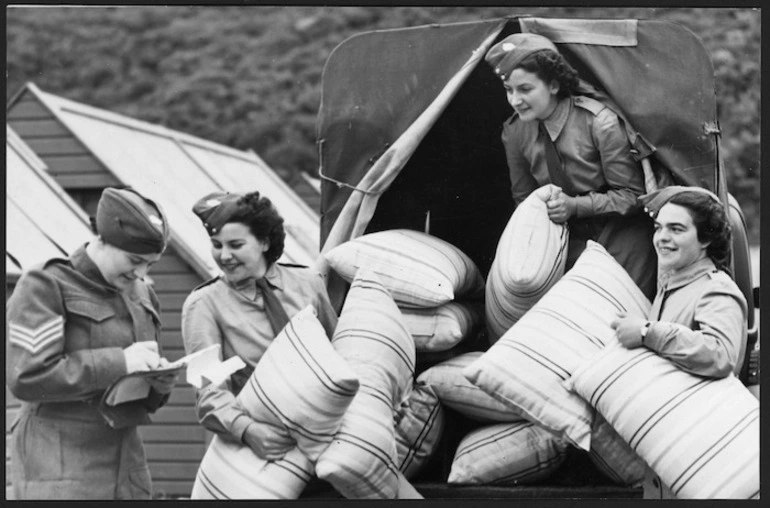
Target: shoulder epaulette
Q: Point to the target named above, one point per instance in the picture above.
(208, 282)
(56, 261)
(590, 104)
(293, 265)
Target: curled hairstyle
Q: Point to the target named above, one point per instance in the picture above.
(551, 66)
(711, 223)
(263, 220)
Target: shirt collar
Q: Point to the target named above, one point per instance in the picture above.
(673, 280)
(274, 276)
(558, 118)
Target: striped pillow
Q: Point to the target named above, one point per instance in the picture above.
(371, 336)
(456, 392)
(302, 384)
(527, 366)
(507, 454)
(529, 259)
(700, 435)
(419, 427)
(418, 269)
(232, 471)
(612, 455)
(441, 328)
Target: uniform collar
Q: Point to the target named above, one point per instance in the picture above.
(274, 277)
(83, 263)
(558, 118)
(681, 278)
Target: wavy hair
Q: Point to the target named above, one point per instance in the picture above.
(711, 223)
(263, 220)
(551, 66)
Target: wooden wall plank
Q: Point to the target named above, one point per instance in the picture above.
(73, 164)
(66, 145)
(27, 110)
(39, 127)
(86, 181)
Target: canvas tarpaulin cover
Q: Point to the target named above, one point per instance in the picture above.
(410, 120)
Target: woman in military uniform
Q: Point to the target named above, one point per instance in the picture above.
(75, 325)
(576, 143)
(698, 318)
(246, 307)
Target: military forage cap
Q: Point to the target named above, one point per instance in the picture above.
(215, 209)
(508, 53)
(131, 222)
(655, 200)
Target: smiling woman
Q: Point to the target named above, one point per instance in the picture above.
(698, 319)
(557, 136)
(246, 308)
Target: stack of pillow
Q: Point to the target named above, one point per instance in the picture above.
(437, 287)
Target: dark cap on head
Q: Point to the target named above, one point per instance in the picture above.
(654, 201)
(216, 208)
(508, 53)
(131, 222)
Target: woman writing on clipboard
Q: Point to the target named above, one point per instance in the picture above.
(76, 325)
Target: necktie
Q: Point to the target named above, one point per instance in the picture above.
(275, 311)
(553, 162)
(278, 318)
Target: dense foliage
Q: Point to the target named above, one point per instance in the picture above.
(249, 77)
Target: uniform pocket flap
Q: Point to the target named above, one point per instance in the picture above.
(90, 309)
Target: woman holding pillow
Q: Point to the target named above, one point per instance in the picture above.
(578, 144)
(245, 308)
(698, 319)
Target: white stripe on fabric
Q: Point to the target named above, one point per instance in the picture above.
(701, 436)
(37, 339)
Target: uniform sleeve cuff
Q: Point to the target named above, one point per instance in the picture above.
(238, 427)
(584, 206)
(109, 364)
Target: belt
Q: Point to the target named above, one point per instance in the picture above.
(79, 410)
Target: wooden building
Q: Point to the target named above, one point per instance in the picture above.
(85, 149)
(42, 222)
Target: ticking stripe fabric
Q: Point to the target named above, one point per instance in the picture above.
(456, 392)
(371, 336)
(441, 328)
(530, 258)
(419, 427)
(302, 384)
(507, 454)
(232, 471)
(527, 366)
(612, 455)
(700, 435)
(418, 269)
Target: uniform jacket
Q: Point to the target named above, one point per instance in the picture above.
(698, 321)
(216, 313)
(66, 330)
(606, 181)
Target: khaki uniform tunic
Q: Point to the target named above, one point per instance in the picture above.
(67, 329)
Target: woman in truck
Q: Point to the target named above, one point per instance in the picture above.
(698, 317)
(578, 144)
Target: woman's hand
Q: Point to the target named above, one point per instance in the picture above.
(141, 356)
(628, 330)
(163, 383)
(561, 207)
(268, 441)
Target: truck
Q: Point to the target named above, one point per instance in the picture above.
(409, 137)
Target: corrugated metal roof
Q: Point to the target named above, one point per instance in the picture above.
(41, 221)
(177, 169)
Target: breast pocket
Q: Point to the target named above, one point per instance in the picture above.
(91, 324)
